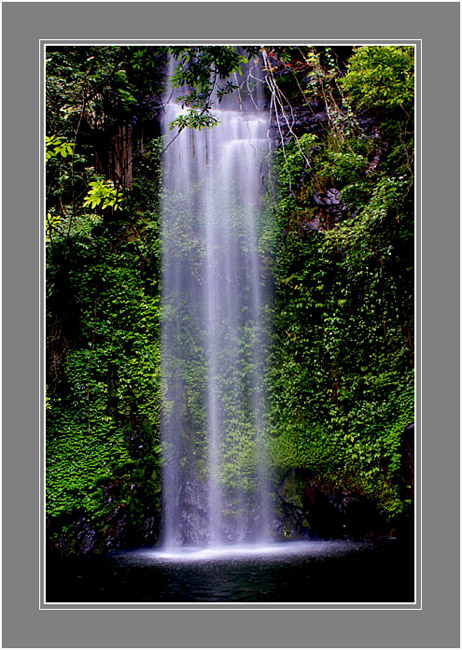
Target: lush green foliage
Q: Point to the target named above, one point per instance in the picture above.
(342, 385)
(341, 377)
(103, 257)
(381, 78)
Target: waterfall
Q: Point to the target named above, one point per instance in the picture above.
(215, 486)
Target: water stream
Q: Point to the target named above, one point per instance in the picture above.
(213, 337)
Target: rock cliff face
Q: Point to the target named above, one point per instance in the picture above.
(120, 527)
(308, 508)
(327, 204)
(315, 511)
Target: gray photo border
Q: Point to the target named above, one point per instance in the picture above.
(436, 27)
(416, 604)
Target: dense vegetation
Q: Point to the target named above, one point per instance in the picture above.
(343, 361)
(338, 237)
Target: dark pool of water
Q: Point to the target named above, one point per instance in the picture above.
(298, 572)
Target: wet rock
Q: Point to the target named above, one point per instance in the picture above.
(193, 520)
(308, 508)
(116, 529)
(321, 513)
(86, 536)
